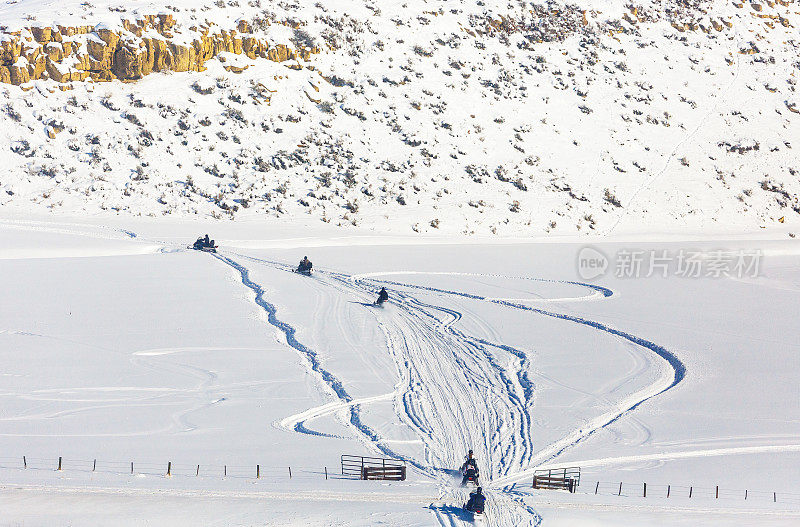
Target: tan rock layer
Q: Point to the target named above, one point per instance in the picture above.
(148, 45)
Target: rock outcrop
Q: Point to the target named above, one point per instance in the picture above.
(128, 52)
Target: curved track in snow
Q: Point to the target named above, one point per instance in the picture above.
(509, 474)
(623, 407)
(446, 378)
(327, 379)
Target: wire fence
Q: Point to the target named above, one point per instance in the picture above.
(648, 490)
(167, 468)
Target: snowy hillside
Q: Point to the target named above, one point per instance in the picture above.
(441, 117)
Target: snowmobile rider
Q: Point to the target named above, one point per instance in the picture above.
(469, 461)
(383, 296)
(469, 469)
(203, 242)
(305, 265)
(476, 501)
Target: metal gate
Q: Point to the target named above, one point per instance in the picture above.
(364, 467)
(557, 478)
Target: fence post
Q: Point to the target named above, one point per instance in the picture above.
(290, 472)
(225, 471)
(131, 467)
(169, 468)
(690, 492)
(258, 471)
(59, 462)
(620, 489)
(745, 493)
(94, 465)
(668, 490)
(596, 487)
(644, 490)
(198, 471)
(24, 462)
(716, 495)
(326, 472)
(774, 497)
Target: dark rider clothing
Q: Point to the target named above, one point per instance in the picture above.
(476, 502)
(383, 296)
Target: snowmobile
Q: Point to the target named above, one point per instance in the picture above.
(470, 476)
(204, 244)
(304, 267)
(477, 515)
(470, 470)
(476, 504)
(383, 296)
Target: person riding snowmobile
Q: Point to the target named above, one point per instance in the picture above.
(204, 242)
(470, 470)
(476, 501)
(305, 265)
(383, 296)
(469, 460)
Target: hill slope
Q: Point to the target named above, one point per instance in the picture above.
(458, 117)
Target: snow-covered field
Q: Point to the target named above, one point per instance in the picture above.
(118, 344)
(584, 212)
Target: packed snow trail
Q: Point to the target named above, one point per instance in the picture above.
(688, 454)
(72, 229)
(328, 379)
(620, 409)
(297, 422)
(454, 392)
(466, 368)
(501, 449)
(512, 468)
(443, 400)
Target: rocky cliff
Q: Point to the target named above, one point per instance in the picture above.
(130, 51)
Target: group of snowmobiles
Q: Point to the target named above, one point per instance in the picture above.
(305, 267)
(469, 470)
(470, 475)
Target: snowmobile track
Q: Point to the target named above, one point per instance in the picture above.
(440, 404)
(556, 449)
(327, 378)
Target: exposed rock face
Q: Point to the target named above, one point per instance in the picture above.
(150, 44)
